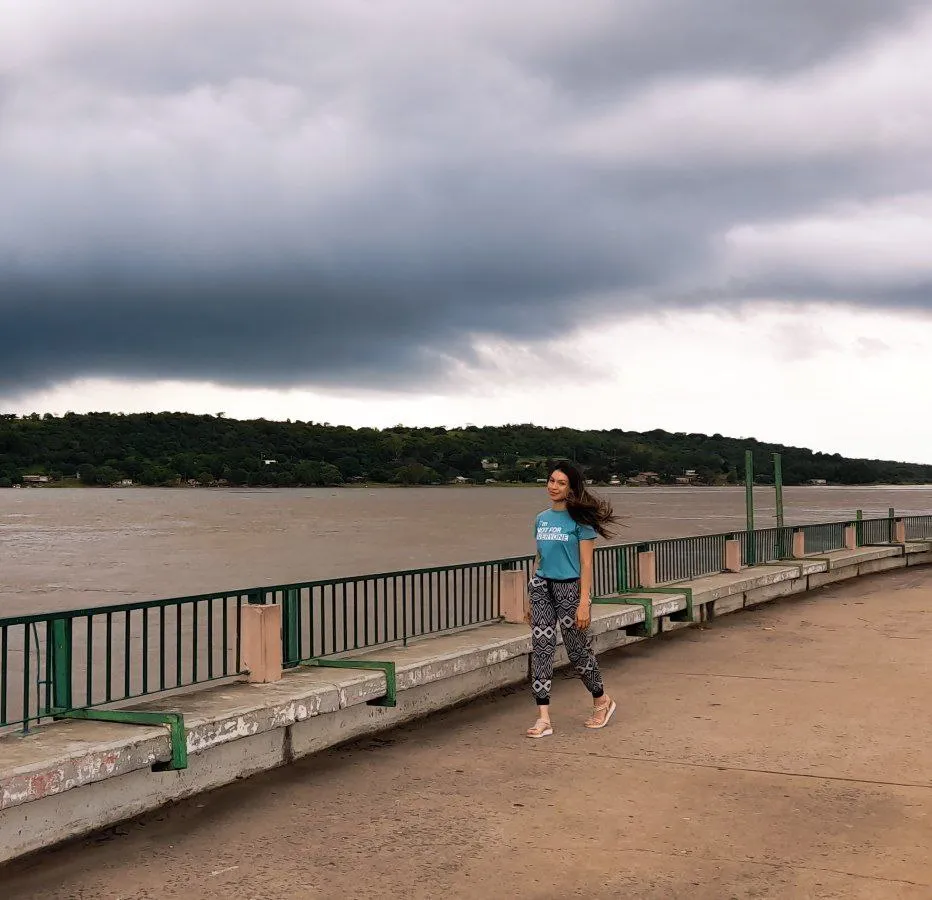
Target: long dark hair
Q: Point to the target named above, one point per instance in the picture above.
(584, 507)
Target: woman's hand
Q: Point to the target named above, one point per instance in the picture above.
(584, 613)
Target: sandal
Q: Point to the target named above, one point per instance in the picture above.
(606, 710)
(541, 728)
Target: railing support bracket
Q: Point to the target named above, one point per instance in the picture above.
(173, 720)
(391, 685)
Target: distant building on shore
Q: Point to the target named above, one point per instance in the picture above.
(644, 478)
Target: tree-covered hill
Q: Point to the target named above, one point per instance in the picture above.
(165, 448)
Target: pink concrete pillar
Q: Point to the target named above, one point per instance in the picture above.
(799, 544)
(647, 568)
(513, 595)
(899, 532)
(851, 537)
(732, 555)
(262, 642)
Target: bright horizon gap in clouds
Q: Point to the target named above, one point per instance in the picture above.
(799, 376)
(709, 218)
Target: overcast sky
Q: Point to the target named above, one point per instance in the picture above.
(702, 216)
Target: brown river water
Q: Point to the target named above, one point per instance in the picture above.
(67, 548)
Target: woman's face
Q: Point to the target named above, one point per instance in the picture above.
(558, 486)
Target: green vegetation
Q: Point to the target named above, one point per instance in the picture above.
(173, 448)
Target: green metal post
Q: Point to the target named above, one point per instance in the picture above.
(61, 663)
(749, 504)
(859, 525)
(778, 486)
(891, 514)
(290, 627)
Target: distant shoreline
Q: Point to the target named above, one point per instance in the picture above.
(76, 485)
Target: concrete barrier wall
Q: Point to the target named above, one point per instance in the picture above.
(69, 778)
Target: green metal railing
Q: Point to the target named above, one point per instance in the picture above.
(824, 538)
(84, 658)
(677, 559)
(76, 660)
(917, 527)
(875, 531)
(334, 616)
(766, 545)
(615, 569)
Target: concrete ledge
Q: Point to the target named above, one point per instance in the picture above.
(772, 591)
(71, 753)
(72, 777)
(823, 578)
(882, 565)
(843, 558)
(717, 587)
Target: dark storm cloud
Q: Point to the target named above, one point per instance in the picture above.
(348, 192)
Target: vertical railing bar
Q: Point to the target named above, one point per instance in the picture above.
(313, 612)
(225, 624)
(4, 672)
(27, 677)
(355, 614)
(145, 651)
(239, 632)
(210, 638)
(179, 646)
(365, 612)
(421, 602)
(161, 648)
(127, 643)
(194, 641)
(89, 662)
(384, 581)
(404, 609)
(449, 597)
(48, 666)
(109, 662)
(345, 616)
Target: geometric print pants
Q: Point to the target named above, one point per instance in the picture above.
(553, 602)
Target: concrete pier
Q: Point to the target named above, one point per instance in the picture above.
(738, 748)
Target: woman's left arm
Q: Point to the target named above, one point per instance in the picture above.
(584, 612)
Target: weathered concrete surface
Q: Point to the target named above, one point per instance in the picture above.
(779, 753)
(84, 752)
(58, 784)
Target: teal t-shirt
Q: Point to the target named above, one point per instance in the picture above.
(558, 537)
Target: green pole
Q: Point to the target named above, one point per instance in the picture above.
(749, 504)
(778, 486)
(61, 663)
(291, 627)
(859, 525)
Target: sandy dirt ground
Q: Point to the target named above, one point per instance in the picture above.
(781, 752)
(64, 549)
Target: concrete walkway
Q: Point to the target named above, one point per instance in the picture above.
(781, 752)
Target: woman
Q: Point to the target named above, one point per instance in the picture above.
(561, 591)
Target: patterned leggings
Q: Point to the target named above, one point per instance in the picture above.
(552, 602)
